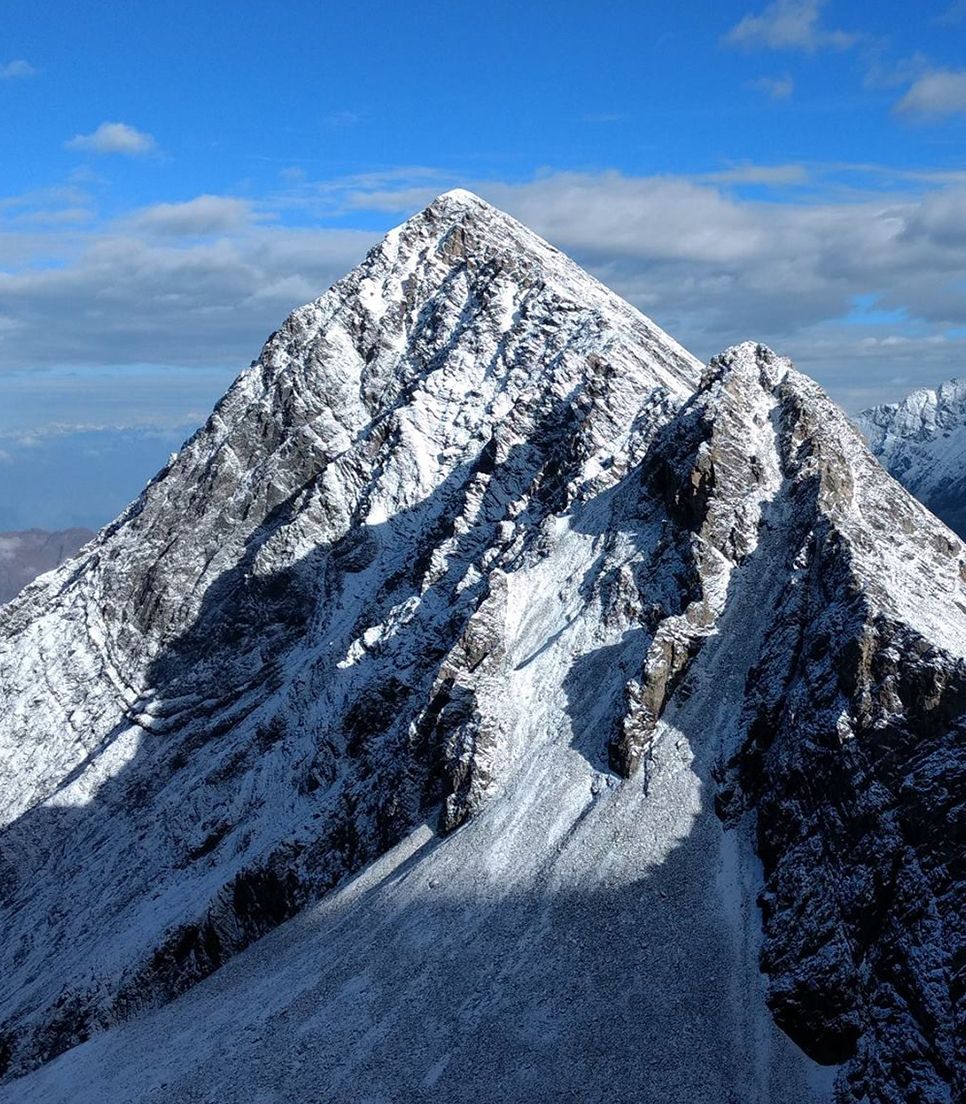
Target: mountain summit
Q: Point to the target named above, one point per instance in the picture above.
(474, 545)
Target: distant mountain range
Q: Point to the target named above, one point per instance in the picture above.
(922, 442)
(27, 554)
(491, 703)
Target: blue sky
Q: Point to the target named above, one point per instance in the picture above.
(177, 177)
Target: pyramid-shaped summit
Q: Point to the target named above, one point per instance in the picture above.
(231, 673)
(474, 545)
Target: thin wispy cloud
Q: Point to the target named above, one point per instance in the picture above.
(881, 72)
(116, 138)
(775, 175)
(17, 69)
(343, 118)
(203, 215)
(602, 117)
(936, 94)
(776, 88)
(955, 13)
(61, 216)
(789, 25)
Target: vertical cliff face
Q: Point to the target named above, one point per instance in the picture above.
(474, 542)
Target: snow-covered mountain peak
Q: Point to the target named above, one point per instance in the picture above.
(252, 658)
(461, 270)
(464, 198)
(473, 544)
(921, 415)
(922, 442)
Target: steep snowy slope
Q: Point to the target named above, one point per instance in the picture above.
(475, 544)
(26, 554)
(922, 442)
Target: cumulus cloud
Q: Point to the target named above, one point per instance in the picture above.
(936, 93)
(788, 25)
(16, 69)
(810, 255)
(113, 138)
(777, 88)
(940, 220)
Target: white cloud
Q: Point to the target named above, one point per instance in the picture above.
(778, 88)
(17, 69)
(936, 93)
(113, 138)
(56, 216)
(202, 283)
(788, 25)
(940, 219)
(130, 296)
(206, 214)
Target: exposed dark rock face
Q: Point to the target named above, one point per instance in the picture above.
(851, 754)
(27, 554)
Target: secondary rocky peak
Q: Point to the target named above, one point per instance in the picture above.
(852, 705)
(752, 361)
(921, 414)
